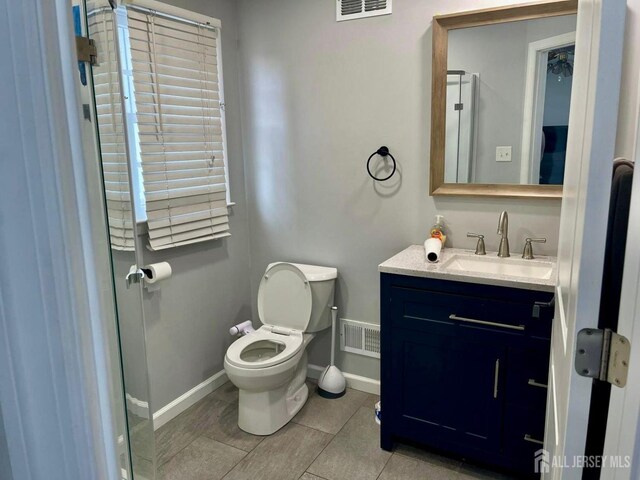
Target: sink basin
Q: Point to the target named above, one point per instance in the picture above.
(511, 267)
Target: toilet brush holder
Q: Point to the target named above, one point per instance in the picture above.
(332, 383)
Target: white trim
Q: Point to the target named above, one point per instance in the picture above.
(534, 99)
(357, 382)
(624, 409)
(175, 12)
(184, 401)
(223, 116)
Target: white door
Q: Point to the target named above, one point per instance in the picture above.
(587, 186)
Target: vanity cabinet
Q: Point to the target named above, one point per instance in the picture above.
(464, 368)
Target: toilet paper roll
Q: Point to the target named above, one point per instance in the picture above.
(243, 328)
(432, 248)
(155, 272)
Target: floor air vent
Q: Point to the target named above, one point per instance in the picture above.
(351, 9)
(360, 337)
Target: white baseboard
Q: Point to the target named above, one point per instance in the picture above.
(180, 404)
(364, 384)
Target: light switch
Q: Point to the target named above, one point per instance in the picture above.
(503, 154)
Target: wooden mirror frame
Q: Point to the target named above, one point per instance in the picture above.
(441, 26)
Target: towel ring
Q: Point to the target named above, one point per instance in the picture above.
(383, 152)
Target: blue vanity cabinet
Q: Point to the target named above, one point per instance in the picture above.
(464, 368)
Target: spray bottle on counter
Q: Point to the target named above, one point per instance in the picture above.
(437, 238)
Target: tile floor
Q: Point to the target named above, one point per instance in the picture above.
(327, 440)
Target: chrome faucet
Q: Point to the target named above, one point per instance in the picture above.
(527, 253)
(503, 230)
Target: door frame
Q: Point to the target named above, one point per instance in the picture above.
(57, 393)
(624, 408)
(534, 94)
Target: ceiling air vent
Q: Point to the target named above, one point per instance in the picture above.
(351, 9)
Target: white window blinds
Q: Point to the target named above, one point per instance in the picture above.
(111, 131)
(180, 124)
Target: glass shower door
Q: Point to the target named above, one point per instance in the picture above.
(104, 108)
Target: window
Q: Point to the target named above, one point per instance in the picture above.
(111, 131)
(173, 97)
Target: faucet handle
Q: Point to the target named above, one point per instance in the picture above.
(527, 253)
(480, 249)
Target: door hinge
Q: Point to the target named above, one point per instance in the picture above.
(603, 355)
(86, 50)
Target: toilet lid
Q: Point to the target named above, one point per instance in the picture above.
(284, 297)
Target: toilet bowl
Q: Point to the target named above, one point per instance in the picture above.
(269, 366)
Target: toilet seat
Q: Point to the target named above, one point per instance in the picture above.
(266, 347)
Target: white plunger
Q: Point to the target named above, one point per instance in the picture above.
(332, 383)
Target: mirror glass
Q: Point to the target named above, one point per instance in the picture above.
(508, 97)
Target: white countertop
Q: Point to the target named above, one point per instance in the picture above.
(412, 262)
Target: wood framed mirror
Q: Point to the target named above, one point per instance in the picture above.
(500, 100)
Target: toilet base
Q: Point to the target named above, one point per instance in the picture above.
(264, 413)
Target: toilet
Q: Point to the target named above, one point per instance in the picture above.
(269, 366)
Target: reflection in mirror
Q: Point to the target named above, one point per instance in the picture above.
(508, 92)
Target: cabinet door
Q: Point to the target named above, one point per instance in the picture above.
(424, 382)
(480, 372)
(447, 391)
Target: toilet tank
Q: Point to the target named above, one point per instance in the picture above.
(323, 282)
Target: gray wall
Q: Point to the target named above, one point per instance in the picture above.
(319, 97)
(501, 89)
(187, 320)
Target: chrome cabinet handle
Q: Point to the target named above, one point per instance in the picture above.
(453, 316)
(496, 376)
(533, 383)
(529, 438)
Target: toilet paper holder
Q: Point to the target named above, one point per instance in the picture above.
(135, 275)
(148, 274)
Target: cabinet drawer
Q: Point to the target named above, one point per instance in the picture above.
(422, 309)
(525, 431)
(527, 376)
